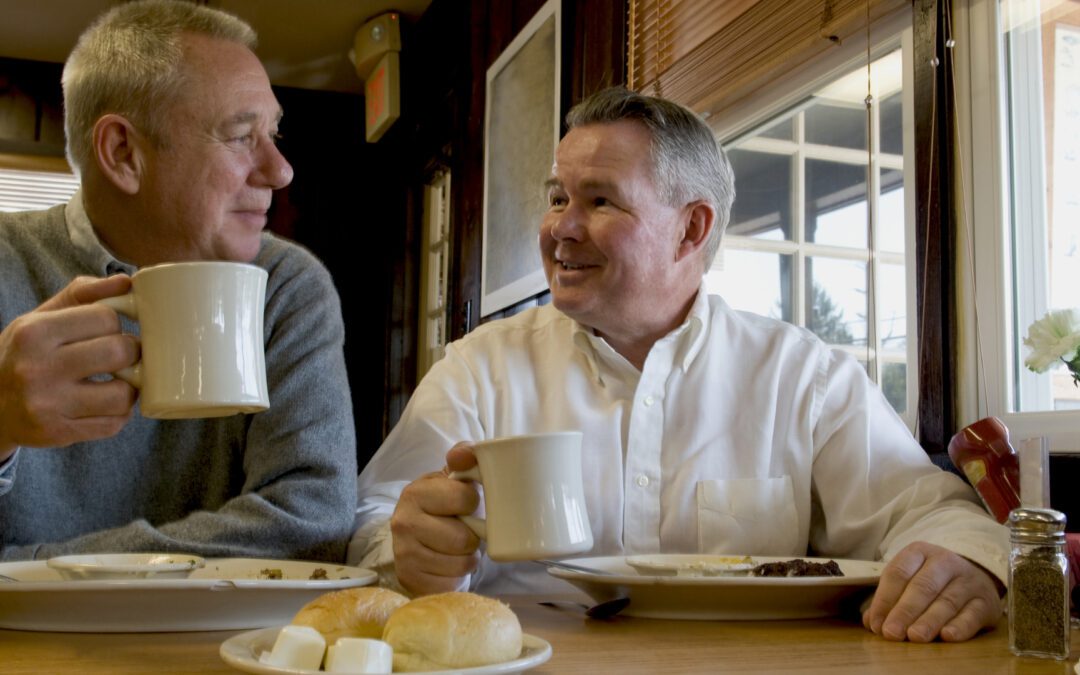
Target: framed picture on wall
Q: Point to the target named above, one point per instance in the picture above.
(521, 130)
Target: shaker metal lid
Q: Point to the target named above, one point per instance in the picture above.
(1032, 521)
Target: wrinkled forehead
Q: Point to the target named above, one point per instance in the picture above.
(224, 80)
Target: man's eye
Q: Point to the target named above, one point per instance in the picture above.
(557, 200)
(601, 201)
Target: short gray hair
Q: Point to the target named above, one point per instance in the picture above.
(128, 62)
(688, 163)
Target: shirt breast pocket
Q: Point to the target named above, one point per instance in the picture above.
(748, 516)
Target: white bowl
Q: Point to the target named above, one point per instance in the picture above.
(126, 565)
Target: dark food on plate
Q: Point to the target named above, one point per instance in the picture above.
(268, 573)
(797, 568)
(318, 573)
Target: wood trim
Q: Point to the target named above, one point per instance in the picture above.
(34, 163)
(934, 235)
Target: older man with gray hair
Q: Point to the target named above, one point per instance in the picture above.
(172, 125)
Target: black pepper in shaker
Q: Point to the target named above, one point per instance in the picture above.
(1038, 584)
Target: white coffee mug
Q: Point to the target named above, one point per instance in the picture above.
(533, 496)
(201, 329)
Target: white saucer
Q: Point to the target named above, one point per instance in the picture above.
(126, 566)
(242, 652)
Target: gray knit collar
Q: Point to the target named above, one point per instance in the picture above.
(93, 253)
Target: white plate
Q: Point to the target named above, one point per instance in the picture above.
(691, 566)
(725, 597)
(242, 652)
(126, 566)
(226, 594)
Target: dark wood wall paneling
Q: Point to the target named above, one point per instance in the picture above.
(934, 237)
(31, 108)
(345, 204)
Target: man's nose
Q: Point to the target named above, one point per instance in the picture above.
(274, 170)
(568, 223)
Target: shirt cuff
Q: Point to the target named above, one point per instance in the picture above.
(372, 547)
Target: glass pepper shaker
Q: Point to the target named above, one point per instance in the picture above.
(1038, 584)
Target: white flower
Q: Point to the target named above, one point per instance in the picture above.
(1055, 336)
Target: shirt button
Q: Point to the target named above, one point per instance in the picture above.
(643, 480)
(649, 400)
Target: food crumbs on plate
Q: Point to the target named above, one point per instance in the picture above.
(268, 573)
(318, 573)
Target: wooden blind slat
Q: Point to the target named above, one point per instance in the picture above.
(708, 55)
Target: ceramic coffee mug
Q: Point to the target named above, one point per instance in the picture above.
(533, 496)
(201, 329)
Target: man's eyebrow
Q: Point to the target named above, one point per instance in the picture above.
(250, 116)
(588, 185)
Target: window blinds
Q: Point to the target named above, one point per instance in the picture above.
(28, 190)
(710, 55)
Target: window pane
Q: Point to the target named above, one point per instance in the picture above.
(894, 385)
(754, 281)
(1043, 90)
(836, 300)
(841, 125)
(784, 130)
(892, 125)
(762, 207)
(835, 203)
(890, 220)
(892, 308)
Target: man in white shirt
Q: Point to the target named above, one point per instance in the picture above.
(705, 429)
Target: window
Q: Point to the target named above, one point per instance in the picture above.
(26, 190)
(818, 233)
(434, 271)
(1023, 149)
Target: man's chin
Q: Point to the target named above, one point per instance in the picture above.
(574, 307)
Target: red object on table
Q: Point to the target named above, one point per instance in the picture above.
(983, 452)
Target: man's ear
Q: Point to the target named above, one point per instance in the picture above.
(119, 152)
(700, 218)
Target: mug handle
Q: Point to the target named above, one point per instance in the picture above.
(477, 525)
(125, 304)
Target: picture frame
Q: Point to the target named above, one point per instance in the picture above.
(521, 130)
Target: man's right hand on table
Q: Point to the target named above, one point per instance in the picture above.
(46, 358)
(433, 548)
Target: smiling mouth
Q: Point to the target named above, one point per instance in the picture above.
(570, 266)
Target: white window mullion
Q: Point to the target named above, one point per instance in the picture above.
(1027, 144)
(873, 195)
(798, 224)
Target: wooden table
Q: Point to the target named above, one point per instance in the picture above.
(580, 645)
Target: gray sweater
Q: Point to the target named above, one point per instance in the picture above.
(281, 483)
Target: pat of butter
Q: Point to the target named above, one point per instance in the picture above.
(360, 655)
(297, 647)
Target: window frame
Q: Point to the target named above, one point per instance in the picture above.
(784, 96)
(987, 304)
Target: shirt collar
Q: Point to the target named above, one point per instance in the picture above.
(690, 337)
(91, 250)
(696, 321)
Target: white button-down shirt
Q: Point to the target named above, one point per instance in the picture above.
(740, 435)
